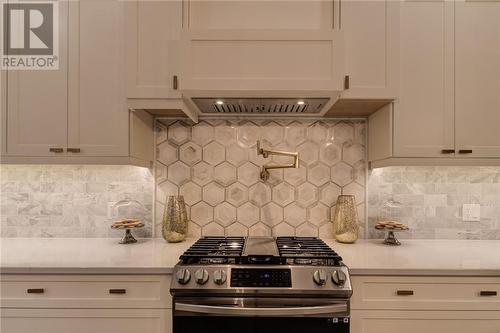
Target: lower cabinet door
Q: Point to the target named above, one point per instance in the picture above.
(374, 321)
(86, 320)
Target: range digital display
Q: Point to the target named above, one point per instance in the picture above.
(261, 277)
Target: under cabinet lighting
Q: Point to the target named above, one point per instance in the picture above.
(300, 102)
(219, 102)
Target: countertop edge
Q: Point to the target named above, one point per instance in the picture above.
(88, 270)
(423, 272)
(169, 270)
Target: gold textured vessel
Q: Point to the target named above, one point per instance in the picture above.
(345, 220)
(175, 224)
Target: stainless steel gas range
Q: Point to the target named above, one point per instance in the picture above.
(260, 284)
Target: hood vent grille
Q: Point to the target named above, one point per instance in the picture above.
(260, 105)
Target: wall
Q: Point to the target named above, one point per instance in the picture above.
(70, 200)
(433, 198)
(215, 166)
(199, 161)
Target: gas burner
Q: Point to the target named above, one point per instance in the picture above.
(302, 261)
(217, 260)
(214, 250)
(261, 251)
(310, 250)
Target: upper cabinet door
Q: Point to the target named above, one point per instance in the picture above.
(477, 78)
(98, 116)
(37, 102)
(371, 45)
(153, 30)
(261, 46)
(424, 112)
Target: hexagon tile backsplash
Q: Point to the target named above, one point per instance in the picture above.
(215, 165)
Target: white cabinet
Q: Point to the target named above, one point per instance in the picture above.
(425, 293)
(261, 45)
(448, 109)
(85, 303)
(376, 321)
(371, 47)
(36, 103)
(85, 320)
(153, 31)
(97, 112)
(431, 304)
(78, 113)
(477, 78)
(85, 291)
(424, 111)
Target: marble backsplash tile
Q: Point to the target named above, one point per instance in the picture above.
(70, 200)
(433, 197)
(214, 164)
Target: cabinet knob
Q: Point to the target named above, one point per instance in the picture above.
(404, 293)
(73, 150)
(56, 150)
(487, 293)
(347, 83)
(465, 151)
(35, 291)
(117, 291)
(448, 151)
(175, 82)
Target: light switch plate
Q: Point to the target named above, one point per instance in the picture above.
(471, 212)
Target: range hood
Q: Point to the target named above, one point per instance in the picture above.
(268, 103)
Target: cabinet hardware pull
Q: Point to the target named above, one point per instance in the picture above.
(404, 292)
(117, 291)
(347, 83)
(487, 293)
(35, 291)
(448, 151)
(56, 150)
(73, 150)
(465, 151)
(175, 82)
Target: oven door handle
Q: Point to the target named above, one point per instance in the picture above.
(262, 312)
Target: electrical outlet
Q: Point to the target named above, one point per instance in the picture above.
(471, 212)
(111, 210)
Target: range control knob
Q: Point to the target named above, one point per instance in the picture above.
(183, 276)
(339, 278)
(201, 276)
(219, 277)
(319, 277)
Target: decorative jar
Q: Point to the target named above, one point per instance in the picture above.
(345, 220)
(175, 223)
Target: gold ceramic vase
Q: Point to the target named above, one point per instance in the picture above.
(175, 224)
(345, 220)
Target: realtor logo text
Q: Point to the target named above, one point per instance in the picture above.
(30, 35)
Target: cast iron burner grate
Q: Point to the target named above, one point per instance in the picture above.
(214, 250)
(306, 250)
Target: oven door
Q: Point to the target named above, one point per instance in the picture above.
(262, 315)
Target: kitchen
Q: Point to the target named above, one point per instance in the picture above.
(279, 123)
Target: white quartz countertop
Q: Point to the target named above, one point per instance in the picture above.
(155, 256)
(422, 257)
(89, 255)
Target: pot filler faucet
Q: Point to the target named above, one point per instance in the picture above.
(264, 173)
